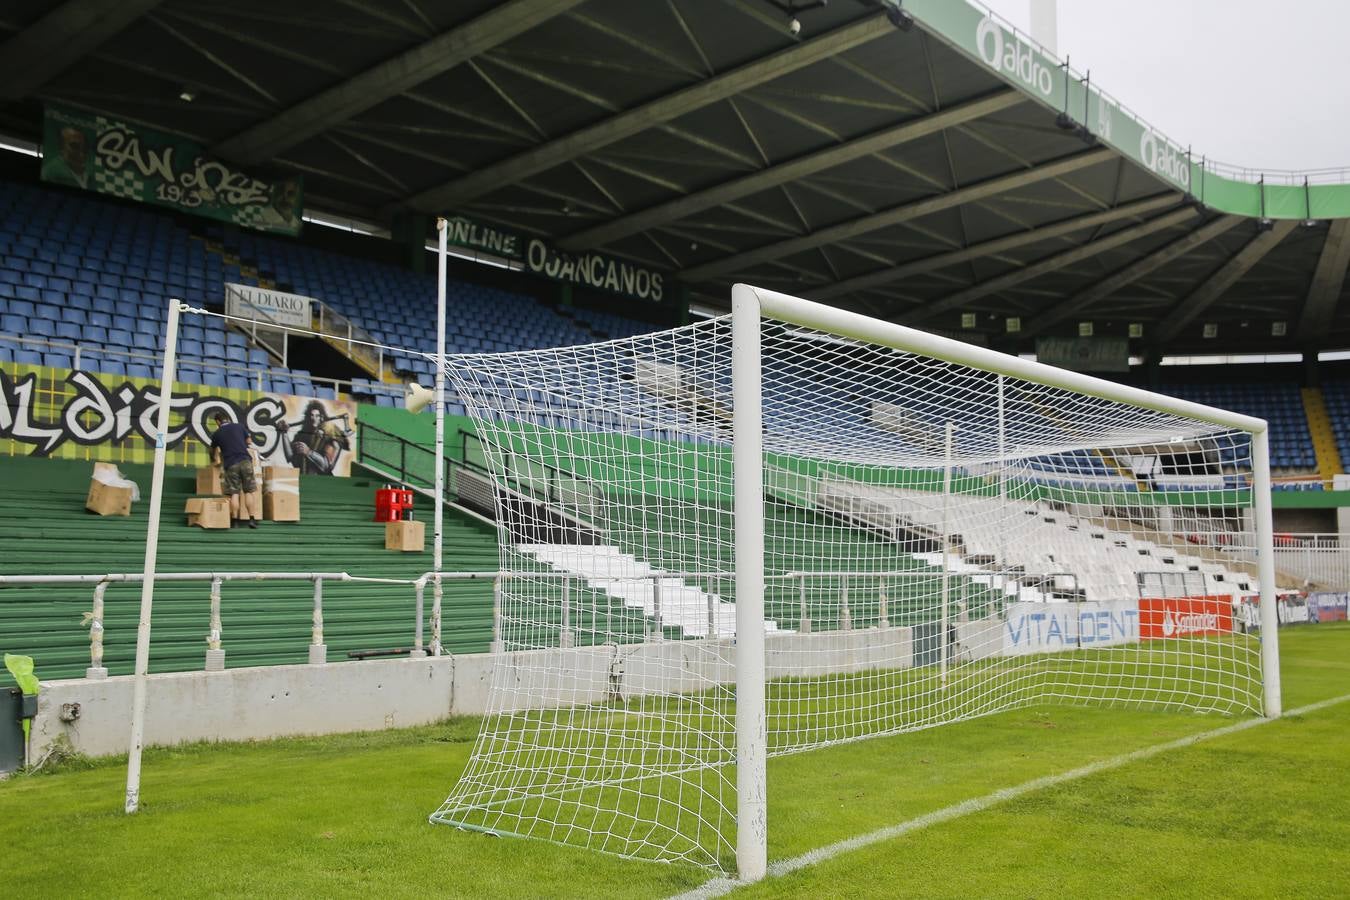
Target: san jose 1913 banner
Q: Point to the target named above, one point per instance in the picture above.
(92, 151)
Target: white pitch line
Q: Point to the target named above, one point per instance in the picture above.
(720, 887)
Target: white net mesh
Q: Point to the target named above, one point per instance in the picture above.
(940, 543)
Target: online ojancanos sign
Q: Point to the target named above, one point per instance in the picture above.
(97, 153)
(594, 270)
(1181, 617)
(1022, 64)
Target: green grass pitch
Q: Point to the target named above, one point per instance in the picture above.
(1264, 812)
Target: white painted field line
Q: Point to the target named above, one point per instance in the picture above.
(719, 887)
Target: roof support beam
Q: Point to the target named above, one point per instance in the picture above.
(786, 172)
(49, 46)
(1051, 264)
(1225, 277)
(341, 102)
(898, 214)
(990, 248)
(1129, 274)
(657, 112)
(1327, 281)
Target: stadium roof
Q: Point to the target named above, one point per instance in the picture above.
(915, 162)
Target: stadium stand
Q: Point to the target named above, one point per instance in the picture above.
(1336, 395)
(85, 281)
(265, 623)
(1280, 403)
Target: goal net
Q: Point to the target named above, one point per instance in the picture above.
(946, 533)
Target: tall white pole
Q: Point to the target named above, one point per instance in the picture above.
(1002, 566)
(1265, 572)
(1045, 24)
(440, 434)
(946, 542)
(133, 800)
(752, 829)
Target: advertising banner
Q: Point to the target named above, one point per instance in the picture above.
(1175, 617)
(91, 151)
(67, 414)
(272, 307)
(1052, 627)
(1085, 354)
(595, 270)
(988, 41)
(1329, 606)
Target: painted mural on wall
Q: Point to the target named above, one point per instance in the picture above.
(66, 414)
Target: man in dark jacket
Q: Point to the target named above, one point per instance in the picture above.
(229, 448)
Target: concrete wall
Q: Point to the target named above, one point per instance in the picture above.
(277, 701)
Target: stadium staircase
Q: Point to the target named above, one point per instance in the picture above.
(792, 543)
(44, 529)
(1323, 435)
(671, 600)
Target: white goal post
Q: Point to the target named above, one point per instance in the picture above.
(797, 526)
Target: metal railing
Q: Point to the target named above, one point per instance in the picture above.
(215, 653)
(411, 463)
(1251, 175)
(256, 375)
(351, 339)
(849, 600)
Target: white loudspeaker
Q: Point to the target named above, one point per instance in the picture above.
(417, 398)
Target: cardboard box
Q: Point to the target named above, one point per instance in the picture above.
(405, 536)
(208, 512)
(210, 481)
(281, 507)
(281, 494)
(281, 475)
(108, 500)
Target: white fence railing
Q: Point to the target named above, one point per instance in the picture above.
(258, 377)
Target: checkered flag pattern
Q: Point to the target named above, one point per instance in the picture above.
(122, 183)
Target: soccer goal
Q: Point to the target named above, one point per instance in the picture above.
(795, 526)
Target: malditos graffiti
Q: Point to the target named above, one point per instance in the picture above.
(97, 410)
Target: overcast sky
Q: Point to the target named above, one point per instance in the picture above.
(1252, 83)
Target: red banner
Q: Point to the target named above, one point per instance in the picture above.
(1174, 617)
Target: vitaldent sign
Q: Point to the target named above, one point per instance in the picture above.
(594, 270)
